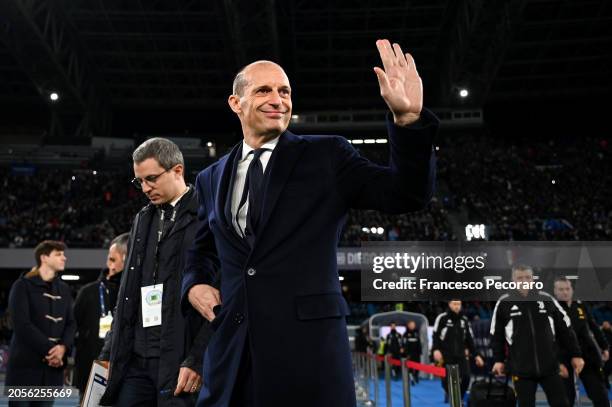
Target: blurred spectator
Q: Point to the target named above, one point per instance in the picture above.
(363, 343)
(606, 328)
(93, 310)
(40, 305)
(411, 344)
(603, 312)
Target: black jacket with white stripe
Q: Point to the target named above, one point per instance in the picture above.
(534, 328)
(452, 335)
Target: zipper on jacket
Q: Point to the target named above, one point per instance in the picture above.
(535, 348)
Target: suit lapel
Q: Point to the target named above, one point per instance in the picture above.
(223, 195)
(284, 158)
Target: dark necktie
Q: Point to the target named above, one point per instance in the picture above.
(253, 191)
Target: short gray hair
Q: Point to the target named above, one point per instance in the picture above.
(163, 150)
(240, 80)
(521, 267)
(121, 241)
(240, 83)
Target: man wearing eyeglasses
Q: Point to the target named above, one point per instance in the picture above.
(155, 352)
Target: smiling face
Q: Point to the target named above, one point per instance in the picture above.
(264, 107)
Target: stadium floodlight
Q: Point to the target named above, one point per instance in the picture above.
(365, 230)
(73, 178)
(95, 172)
(554, 182)
(380, 230)
(357, 141)
(295, 116)
(572, 277)
(70, 277)
(341, 278)
(369, 141)
(373, 230)
(463, 93)
(209, 144)
(54, 96)
(437, 148)
(381, 141)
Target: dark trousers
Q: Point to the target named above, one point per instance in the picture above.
(139, 386)
(525, 389)
(397, 370)
(414, 372)
(242, 394)
(607, 371)
(464, 375)
(593, 381)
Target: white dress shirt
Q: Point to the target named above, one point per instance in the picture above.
(241, 171)
(175, 201)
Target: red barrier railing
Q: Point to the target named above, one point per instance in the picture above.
(431, 369)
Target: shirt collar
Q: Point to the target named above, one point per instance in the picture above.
(270, 145)
(173, 203)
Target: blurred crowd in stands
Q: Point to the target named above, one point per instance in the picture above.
(540, 190)
(522, 190)
(77, 207)
(547, 190)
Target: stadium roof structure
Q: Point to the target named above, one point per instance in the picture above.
(110, 56)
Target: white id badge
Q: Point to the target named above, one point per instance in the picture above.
(151, 298)
(105, 325)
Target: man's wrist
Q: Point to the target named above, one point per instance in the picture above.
(405, 119)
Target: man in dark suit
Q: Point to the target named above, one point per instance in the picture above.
(272, 210)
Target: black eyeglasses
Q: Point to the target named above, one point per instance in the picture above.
(149, 179)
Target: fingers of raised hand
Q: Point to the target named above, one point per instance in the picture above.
(399, 56)
(387, 55)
